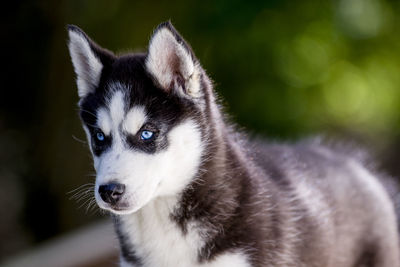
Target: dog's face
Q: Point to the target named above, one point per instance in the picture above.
(142, 115)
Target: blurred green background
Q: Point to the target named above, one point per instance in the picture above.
(284, 69)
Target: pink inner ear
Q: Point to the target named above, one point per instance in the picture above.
(168, 61)
(177, 82)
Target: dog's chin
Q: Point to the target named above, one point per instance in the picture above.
(126, 210)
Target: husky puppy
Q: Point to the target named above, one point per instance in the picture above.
(184, 189)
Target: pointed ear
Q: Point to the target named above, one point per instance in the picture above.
(171, 61)
(88, 60)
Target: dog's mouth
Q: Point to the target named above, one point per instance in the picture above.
(122, 207)
(119, 209)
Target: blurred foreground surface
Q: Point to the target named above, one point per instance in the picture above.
(284, 69)
(94, 245)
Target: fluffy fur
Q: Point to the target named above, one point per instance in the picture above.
(197, 194)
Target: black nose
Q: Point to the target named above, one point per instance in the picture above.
(111, 193)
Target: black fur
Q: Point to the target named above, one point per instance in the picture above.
(127, 251)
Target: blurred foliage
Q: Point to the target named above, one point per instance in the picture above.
(284, 69)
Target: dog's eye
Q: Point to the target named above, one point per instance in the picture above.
(146, 135)
(100, 136)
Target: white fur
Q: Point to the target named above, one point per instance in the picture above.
(179, 165)
(159, 242)
(104, 121)
(86, 64)
(193, 84)
(134, 120)
(165, 55)
(147, 176)
(117, 109)
(232, 259)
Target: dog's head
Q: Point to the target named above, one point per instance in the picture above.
(142, 114)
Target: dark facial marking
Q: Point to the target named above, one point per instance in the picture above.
(163, 109)
(99, 146)
(150, 145)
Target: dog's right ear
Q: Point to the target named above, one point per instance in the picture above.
(88, 60)
(172, 63)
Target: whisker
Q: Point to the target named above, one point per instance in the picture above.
(81, 191)
(94, 210)
(85, 203)
(83, 197)
(88, 112)
(80, 187)
(79, 140)
(81, 194)
(91, 206)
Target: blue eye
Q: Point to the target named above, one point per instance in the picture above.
(146, 135)
(100, 136)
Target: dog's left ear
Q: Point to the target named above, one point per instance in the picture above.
(171, 61)
(89, 60)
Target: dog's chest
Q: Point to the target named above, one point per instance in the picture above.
(158, 241)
